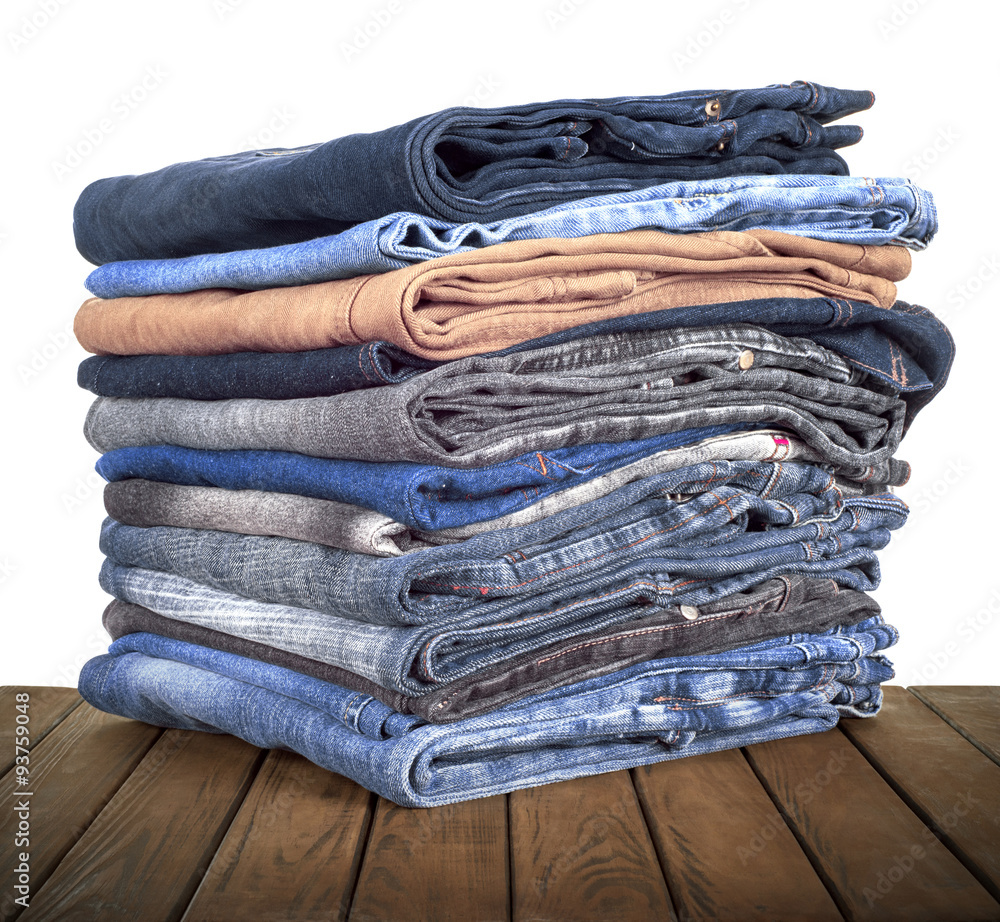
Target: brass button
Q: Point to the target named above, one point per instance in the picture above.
(713, 107)
(721, 146)
(746, 359)
(689, 612)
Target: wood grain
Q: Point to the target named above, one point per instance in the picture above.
(47, 706)
(876, 857)
(580, 850)
(726, 851)
(293, 851)
(973, 710)
(143, 857)
(443, 864)
(75, 771)
(952, 786)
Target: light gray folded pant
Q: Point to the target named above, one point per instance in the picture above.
(609, 388)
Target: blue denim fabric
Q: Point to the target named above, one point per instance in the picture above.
(423, 496)
(465, 164)
(663, 709)
(771, 609)
(739, 519)
(433, 631)
(844, 209)
(905, 345)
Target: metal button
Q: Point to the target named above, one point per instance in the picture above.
(721, 146)
(689, 612)
(746, 359)
(712, 107)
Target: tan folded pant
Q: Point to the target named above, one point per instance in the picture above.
(491, 298)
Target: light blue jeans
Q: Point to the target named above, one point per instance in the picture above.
(845, 209)
(650, 712)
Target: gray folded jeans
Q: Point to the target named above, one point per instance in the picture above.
(608, 388)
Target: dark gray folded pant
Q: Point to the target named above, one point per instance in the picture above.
(608, 388)
(786, 605)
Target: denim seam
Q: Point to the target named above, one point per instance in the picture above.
(756, 693)
(786, 595)
(350, 301)
(371, 359)
(878, 371)
(569, 139)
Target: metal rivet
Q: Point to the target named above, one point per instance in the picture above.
(721, 146)
(689, 612)
(712, 107)
(746, 359)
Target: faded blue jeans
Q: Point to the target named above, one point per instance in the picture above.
(650, 712)
(845, 209)
(465, 164)
(734, 520)
(415, 622)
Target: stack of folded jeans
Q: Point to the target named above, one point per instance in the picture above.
(507, 445)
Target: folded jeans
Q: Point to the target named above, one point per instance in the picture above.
(646, 713)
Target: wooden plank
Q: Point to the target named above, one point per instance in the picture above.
(443, 864)
(293, 851)
(726, 850)
(74, 772)
(143, 857)
(941, 776)
(973, 710)
(876, 857)
(47, 706)
(580, 850)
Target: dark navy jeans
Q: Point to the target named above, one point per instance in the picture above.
(465, 164)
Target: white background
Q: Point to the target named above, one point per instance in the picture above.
(153, 83)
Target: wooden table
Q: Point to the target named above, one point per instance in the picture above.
(893, 818)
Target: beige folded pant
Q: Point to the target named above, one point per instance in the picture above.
(495, 297)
